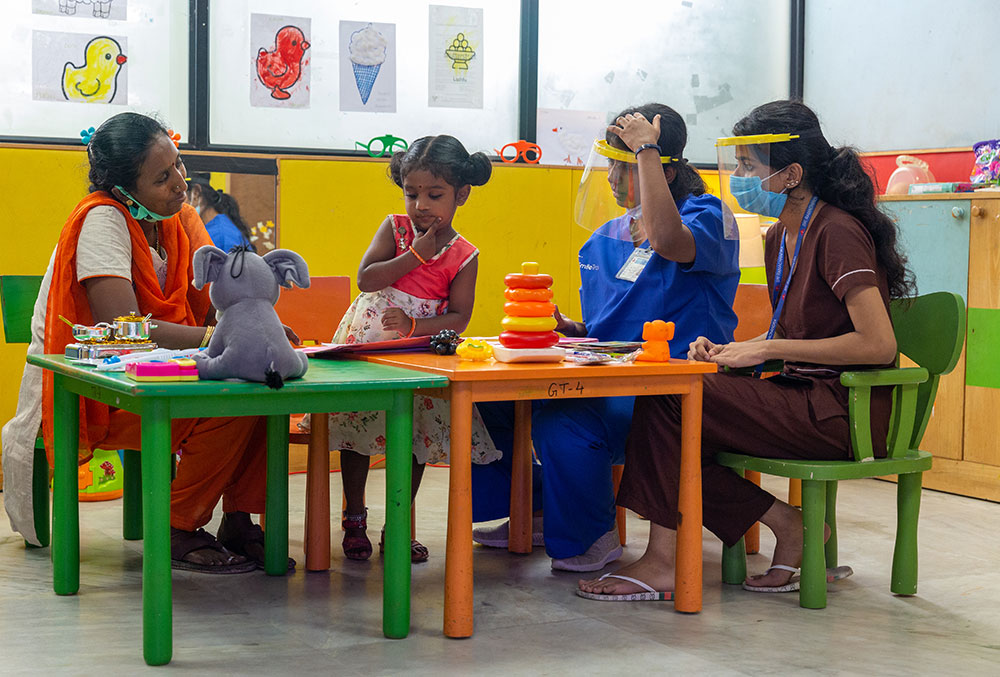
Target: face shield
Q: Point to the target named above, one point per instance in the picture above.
(744, 178)
(608, 201)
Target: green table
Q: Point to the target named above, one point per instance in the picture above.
(329, 386)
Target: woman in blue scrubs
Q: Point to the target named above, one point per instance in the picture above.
(220, 213)
(666, 258)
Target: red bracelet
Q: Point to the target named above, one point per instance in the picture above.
(413, 326)
(419, 258)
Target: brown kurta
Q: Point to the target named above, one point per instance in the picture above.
(775, 418)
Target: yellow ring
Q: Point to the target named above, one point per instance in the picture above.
(528, 323)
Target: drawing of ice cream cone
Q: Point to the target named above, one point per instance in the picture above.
(367, 53)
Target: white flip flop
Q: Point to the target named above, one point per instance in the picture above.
(650, 595)
(834, 574)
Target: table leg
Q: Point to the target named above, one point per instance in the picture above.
(458, 556)
(276, 501)
(520, 481)
(398, 497)
(317, 542)
(65, 487)
(688, 573)
(157, 609)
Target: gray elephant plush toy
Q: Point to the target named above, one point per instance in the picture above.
(249, 341)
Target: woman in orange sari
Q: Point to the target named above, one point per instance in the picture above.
(127, 247)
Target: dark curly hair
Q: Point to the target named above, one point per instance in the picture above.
(118, 148)
(836, 175)
(673, 138)
(442, 156)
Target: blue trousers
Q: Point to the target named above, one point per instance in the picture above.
(576, 441)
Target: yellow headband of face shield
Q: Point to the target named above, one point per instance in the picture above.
(754, 139)
(602, 147)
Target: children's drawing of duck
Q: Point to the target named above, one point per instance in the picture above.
(96, 81)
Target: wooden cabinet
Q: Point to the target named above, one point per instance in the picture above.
(953, 244)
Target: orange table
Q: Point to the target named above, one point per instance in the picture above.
(471, 382)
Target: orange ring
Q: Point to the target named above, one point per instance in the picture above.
(527, 294)
(539, 281)
(528, 309)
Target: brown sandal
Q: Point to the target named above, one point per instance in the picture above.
(418, 551)
(356, 544)
(183, 543)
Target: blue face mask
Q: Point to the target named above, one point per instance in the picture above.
(751, 196)
(197, 209)
(138, 211)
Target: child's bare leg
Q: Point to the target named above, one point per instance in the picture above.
(354, 475)
(418, 474)
(655, 568)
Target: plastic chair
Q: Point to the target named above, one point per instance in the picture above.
(17, 301)
(930, 330)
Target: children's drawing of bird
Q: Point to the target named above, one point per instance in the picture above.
(281, 68)
(574, 143)
(96, 81)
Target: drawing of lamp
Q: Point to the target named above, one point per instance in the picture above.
(460, 54)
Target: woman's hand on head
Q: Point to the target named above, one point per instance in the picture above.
(739, 354)
(425, 243)
(635, 130)
(394, 319)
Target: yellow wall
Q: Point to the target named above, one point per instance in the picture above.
(42, 187)
(328, 211)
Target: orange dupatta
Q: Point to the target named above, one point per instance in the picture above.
(178, 302)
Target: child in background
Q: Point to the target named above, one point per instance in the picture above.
(220, 213)
(417, 278)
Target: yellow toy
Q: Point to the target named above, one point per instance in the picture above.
(96, 81)
(474, 350)
(656, 336)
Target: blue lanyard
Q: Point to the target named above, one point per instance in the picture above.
(779, 301)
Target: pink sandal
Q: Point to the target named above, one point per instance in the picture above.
(356, 544)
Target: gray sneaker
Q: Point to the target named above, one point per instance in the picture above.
(605, 550)
(499, 536)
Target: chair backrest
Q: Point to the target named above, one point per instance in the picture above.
(314, 313)
(930, 330)
(753, 310)
(17, 302)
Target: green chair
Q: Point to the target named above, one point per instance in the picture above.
(17, 302)
(930, 330)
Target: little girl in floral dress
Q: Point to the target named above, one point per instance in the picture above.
(417, 278)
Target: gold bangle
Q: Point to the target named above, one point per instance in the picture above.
(419, 257)
(208, 335)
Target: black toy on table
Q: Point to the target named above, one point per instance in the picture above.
(445, 342)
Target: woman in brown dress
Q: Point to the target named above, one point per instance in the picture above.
(832, 316)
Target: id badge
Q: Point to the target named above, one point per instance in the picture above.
(636, 262)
